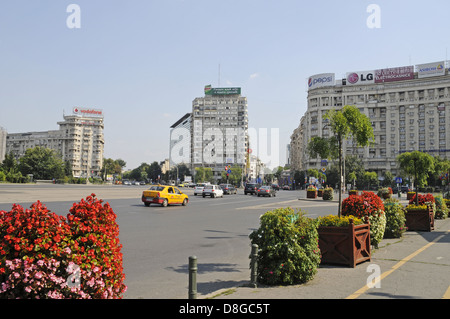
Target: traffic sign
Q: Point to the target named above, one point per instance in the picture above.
(229, 171)
(398, 180)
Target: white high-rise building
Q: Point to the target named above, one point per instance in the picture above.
(79, 140)
(407, 106)
(219, 129)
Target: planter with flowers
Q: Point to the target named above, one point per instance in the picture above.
(353, 192)
(47, 256)
(311, 192)
(320, 192)
(370, 205)
(385, 192)
(421, 217)
(410, 195)
(344, 240)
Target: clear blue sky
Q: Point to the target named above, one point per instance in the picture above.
(143, 62)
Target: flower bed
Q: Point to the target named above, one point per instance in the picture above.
(410, 195)
(344, 240)
(43, 255)
(370, 205)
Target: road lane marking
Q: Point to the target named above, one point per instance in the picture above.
(359, 292)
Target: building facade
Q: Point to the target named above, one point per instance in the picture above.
(3, 134)
(180, 141)
(79, 140)
(407, 107)
(219, 129)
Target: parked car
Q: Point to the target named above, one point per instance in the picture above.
(164, 195)
(266, 191)
(251, 188)
(198, 190)
(276, 187)
(213, 191)
(228, 189)
(286, 187)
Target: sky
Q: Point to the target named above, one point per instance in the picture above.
(143, 62)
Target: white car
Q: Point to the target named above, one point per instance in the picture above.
(213, 191)
(198, 190)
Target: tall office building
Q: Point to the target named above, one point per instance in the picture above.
(79, 140)
(180, 141)
(407, 107)
(219, 129)
(3, 135)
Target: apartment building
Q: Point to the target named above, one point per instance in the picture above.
(78, 140)
(219, 129)
(407, 107)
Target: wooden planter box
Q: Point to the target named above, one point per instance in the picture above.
(420, 220)
(409, 195)
(311, 194)
(320, 193)
(353, 192)
(345, 245)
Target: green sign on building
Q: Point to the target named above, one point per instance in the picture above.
(221, 91)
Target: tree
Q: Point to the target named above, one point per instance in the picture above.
(370, 177)
(345, 123)
(418, 165)
(42, 162)
(154, 171)
(234, 177)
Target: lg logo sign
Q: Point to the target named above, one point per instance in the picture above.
(366, 77)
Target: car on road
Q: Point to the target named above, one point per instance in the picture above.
(212, 190)
(266, 191)
(251, 188)
(276, 187)
(198, 190)
(228, 189)
(164, 195)
(286, 187)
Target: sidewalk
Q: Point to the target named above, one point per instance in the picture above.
(341, 282)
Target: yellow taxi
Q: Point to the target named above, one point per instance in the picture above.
(164, 195)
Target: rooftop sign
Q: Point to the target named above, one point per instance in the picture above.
(221, 91)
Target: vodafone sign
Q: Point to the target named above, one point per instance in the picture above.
(87, 112)
(361, 77)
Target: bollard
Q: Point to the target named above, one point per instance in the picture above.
(254, 266)
(192, 277)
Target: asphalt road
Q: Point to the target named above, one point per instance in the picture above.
(157, 241)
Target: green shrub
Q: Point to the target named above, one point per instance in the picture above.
(395, 219)
(288, 247)
(441, 208)
(328, 193)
